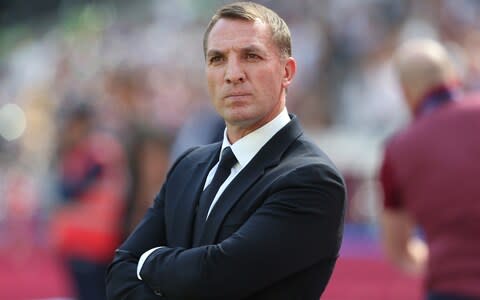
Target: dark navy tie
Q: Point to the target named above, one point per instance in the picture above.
(227, 161)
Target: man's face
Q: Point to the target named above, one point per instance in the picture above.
(246, 74)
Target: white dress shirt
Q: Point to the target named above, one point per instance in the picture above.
(244, 149)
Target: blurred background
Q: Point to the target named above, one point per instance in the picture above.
(98, 97)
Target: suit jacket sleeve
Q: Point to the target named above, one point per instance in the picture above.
(121, 277)
(298, 225)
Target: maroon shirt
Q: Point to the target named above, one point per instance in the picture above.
(432, 170)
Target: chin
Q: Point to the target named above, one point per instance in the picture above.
(238, 116)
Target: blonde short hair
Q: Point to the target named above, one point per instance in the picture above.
(252, 11)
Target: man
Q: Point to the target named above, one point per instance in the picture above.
(274, 227)
(430, 176)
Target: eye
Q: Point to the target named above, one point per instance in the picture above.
(215, 59)
(252, 56)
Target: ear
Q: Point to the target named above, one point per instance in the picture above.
(289, 71)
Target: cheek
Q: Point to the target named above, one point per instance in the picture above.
(268, 85)
(270, 78)
(214, 74)
(210, 83)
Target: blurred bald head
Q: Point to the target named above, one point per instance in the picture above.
(422, 65)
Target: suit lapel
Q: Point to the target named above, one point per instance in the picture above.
(269, 156)
(184, 214)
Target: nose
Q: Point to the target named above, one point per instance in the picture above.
(234, 72)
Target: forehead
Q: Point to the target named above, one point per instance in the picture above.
(237, 33)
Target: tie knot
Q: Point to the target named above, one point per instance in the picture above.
(227, 159)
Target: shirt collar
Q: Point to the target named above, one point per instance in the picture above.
(436, 97)
(248, 146)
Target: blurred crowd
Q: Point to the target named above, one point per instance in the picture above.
(98, 98)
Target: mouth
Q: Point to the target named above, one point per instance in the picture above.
(237, 96)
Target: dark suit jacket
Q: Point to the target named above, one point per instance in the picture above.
(274, 233)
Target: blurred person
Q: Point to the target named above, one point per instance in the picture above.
(147, 148)
(429, 176)
(126, 111)
(149, 162)
(91, 180)
(271, 228)
(128, 99)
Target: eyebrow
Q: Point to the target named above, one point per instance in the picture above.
(214, 52)
(251, 48)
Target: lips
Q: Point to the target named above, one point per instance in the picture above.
(236, 95)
